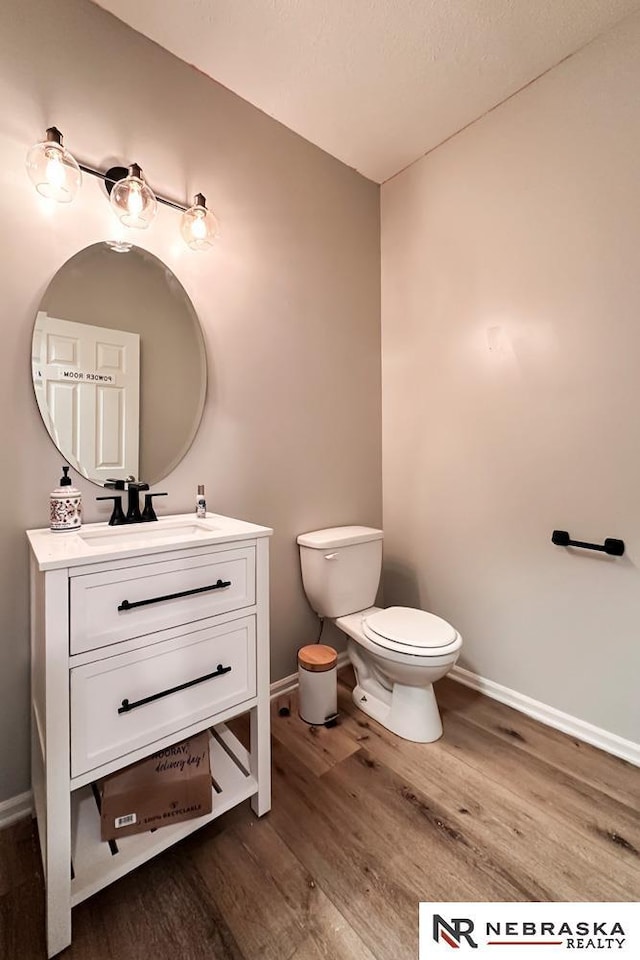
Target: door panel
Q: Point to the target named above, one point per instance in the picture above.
(87, 384)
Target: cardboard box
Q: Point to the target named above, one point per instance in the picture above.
(168, 787)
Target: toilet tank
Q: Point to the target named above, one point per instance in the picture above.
(341, 568)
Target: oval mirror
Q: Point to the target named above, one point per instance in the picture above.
(119, 364)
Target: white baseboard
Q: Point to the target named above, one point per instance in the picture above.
(16, 808)
(580, 729)
(550, 716)
(286, 685)
(290, 683)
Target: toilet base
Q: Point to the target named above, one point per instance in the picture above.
(409, 712)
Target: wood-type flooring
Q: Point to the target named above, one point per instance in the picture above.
(363, 827)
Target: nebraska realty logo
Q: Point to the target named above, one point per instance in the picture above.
(586, 927)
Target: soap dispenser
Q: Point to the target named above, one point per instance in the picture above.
(65, 505)
(201, 503)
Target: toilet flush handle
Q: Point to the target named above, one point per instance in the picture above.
(331, 556)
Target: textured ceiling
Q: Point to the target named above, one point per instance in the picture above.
(376, 83)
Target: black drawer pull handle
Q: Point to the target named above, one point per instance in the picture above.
(218, 672)
(128, 605)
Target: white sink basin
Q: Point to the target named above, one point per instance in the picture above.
(98, 542)
(140, 534)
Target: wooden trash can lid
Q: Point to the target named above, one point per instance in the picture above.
(317, 657)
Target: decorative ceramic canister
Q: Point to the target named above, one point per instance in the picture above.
(65, 505)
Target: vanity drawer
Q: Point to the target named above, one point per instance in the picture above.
(123, 703)
(120, 604)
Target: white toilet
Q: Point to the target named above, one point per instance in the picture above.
(397, 653)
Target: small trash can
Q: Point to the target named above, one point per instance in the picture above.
(318, 687)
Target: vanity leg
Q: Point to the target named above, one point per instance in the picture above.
(260, 756)
(54, 843)
(51, 702)
(52, 811)
(58, 883)
(260, 752)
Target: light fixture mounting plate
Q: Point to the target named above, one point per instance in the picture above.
(112, 176)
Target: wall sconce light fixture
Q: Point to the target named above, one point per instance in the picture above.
(132, 201)
(53, 171)
(199, 226)
(56, 174)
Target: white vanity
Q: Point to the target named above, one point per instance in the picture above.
(141, 635)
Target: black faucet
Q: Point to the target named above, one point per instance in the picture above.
(133, 514)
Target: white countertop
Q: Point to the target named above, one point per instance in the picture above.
(95, 542)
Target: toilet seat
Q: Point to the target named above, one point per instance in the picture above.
(412, 631)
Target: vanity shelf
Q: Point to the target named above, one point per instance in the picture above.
(95, 864)
(113, 682)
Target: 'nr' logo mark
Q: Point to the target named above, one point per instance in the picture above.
(453, 932)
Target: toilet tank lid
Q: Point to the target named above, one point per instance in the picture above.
(338, 537)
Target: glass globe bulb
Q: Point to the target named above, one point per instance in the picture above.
(198, 225)
(53, 171)
(132, 201)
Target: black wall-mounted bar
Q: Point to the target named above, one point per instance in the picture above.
(615, 548)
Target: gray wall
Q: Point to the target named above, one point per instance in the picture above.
(288, 300)
(511, 385)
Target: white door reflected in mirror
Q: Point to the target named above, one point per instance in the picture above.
(111, 301)
(87, 385)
